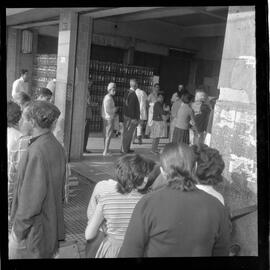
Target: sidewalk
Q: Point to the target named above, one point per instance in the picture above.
(96, 167)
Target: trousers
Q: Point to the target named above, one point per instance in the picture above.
(129, 126)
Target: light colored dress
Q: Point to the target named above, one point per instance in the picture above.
(117, 210)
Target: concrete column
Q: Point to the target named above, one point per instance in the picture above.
(13, 50)
(84, 39)
(234, 125)
(65, 75)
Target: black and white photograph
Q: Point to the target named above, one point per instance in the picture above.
(132, 132)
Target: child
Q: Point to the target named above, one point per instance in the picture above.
(182, 121)
(158, 128)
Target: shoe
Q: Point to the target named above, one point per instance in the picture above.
(87, 151)
(130, 151)
(155, 152)
(140, 141)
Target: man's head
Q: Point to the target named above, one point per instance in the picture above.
(180, 87)
(42, 114)
(24, 74)
(200, 95)
(133, 84)
(45, 94)
(111, 88)
(13, 114)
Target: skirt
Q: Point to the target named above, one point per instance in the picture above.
(180, 135)
(109, 248)
(158, 129)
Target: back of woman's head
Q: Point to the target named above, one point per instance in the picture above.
(210, 165)
(130, 172)
(177, 162)
(13, 113)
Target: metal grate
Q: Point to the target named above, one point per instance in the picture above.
(75, 214)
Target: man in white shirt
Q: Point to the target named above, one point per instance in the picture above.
(108, 114)
(142, 97)
(20, 85)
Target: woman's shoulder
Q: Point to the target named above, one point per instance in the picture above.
(105, 186)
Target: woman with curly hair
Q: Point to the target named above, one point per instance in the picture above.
(112, 203)
(209, 168)
(178, 220)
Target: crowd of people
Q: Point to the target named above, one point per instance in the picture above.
(128, 215)
(150, 117)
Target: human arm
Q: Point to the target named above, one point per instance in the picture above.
(136, 235)
(32, 194)
(94, 224)
(93, 202)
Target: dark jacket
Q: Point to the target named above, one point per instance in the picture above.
(37, 209)
(131, 106)
(158, 111)
(197, 224)
(201, 115)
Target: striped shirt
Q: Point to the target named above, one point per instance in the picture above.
(101, 188)
(117, 210)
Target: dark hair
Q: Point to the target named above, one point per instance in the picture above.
(186, 97)
(43, 112)
(177, 160)
(210, 165)
(14, 113)
(45, 92)
(130, 171)
(23, 71)
(22, 98)
(153, 175)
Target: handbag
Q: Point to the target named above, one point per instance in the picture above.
(92, 245)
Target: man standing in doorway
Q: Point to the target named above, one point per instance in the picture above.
(108, 114)
(20, 85)
(142, 97)
(131, 116)
(37, 209)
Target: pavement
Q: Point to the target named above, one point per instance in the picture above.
(93, 168)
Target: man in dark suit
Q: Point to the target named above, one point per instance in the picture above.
(131, 116)
(37, 209)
